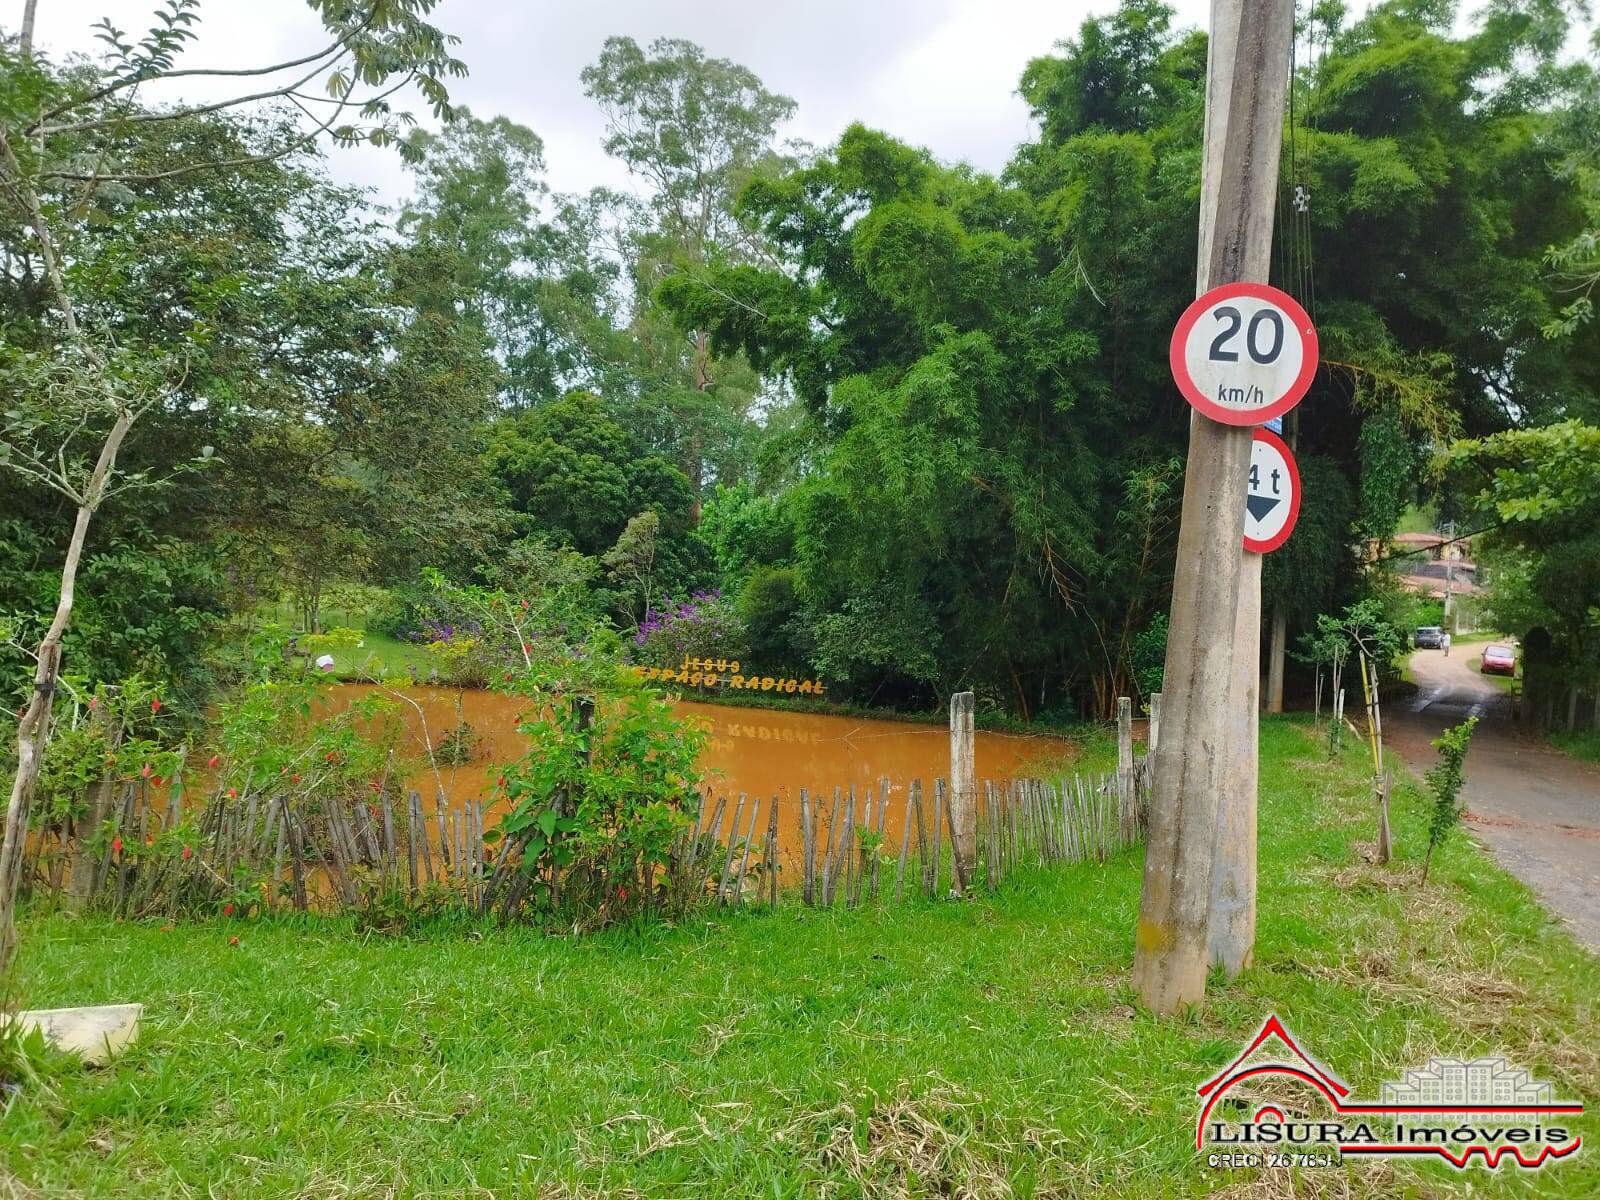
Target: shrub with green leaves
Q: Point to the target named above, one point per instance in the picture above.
(1445, 780)
(606, 787)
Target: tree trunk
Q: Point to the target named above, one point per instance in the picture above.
(1279, 646)
(33, 732)
(25, 41)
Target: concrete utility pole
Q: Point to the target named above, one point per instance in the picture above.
(1449, 549)
(1208, 734)
(963, 784)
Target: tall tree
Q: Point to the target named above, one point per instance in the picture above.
(528, 270)
(696, 130)
(66, 137)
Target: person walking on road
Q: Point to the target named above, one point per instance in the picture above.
(1444, 644)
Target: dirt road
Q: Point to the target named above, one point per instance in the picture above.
(1538, 810)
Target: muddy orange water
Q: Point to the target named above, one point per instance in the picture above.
(761, 752)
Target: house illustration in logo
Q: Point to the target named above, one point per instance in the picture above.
(1297, 1065)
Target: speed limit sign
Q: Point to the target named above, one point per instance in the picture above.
(1244, 353)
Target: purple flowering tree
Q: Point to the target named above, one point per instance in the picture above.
(703, 626)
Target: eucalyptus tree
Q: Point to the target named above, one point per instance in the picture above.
(695, 131)
(73, 140)
(532, 270)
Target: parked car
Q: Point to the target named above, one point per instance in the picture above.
(1498, 659)
(1429, 637)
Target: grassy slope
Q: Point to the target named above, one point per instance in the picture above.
(919, 1050)
(1580, 743)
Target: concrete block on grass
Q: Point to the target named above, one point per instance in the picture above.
(96, 1034)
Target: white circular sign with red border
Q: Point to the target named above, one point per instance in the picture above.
(1272, 496)
(1244, 353)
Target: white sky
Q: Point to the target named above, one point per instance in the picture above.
(938, 73)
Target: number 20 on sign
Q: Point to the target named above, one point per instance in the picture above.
(1244, 353)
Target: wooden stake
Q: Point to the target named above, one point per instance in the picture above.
(744, 860)
(733, 842)
(771, 861)
(905, 845)
(922, 835)
(877, 851)
(808, 850)
(827, 848)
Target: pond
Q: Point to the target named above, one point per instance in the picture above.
(762, 752)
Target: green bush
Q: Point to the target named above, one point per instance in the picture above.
(769, 605)
(604, 791)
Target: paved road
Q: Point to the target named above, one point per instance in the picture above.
(1539, 811)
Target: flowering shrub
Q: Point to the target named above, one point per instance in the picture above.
(603, 793)
(430, 630)
(703, 626)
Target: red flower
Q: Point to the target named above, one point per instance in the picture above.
(622, 893)
(501, 781)
(376, 786)
(232, 794)
(213, 760)
(157, 781)
(331, 756)
(294, 779)
(188, 853)
(234, 940)
(145, 770)
(227, 909)
(155, 706)
(116, 844)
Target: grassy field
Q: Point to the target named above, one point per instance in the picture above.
(381, 655)
(980, 1048)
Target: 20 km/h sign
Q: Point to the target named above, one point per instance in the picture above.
(1244, 353)
(1272, 497)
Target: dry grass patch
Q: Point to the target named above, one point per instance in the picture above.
(937, 1143)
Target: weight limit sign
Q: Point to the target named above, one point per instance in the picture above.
(1244, 353)
(1272, 497)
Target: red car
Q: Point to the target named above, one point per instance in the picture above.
(1498, 659)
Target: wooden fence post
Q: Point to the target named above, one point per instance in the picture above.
(1125, 793)
(963, 786)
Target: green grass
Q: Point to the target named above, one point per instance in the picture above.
(1418, 520)
(985, 1048)
(1580, 743)
(379, 654)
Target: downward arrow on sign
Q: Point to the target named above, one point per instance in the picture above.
(1260, 506)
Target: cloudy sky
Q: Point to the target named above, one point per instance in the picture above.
(941, 73)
